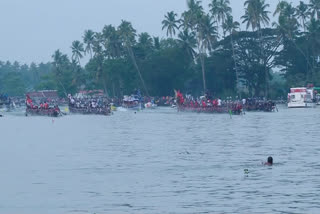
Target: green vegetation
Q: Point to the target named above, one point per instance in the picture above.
(204, 50)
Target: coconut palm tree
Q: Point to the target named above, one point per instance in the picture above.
(187, 41)
(77, 50)
(256, 14)
(214, 8)
(197, 21)
(88, 39)
(97, 48)
(287, 22)
(191, 17)
(111, 41)
(302, 13)
(231, 27)
(206, 35)
(170, 23)
(60, 62)
(314, 7)
(314, 40)
(145, 41)
(127, 34)
(220, 9)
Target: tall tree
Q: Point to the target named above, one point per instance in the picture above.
(77, 50)
(207, 34)
(111, 41)
(256, 15)
(231, 27)
(88, 39)
(188, 42)
(170, 23)
(61, 65)
(314, 7)
(303, 14)
(314, 43)
(287, 22)
(220, 10)
(192, 16)
(127, 35)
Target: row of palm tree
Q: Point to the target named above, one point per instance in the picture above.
(205, 27)
(198, 32)
(111, 42)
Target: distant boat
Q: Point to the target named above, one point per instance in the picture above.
(301, 98)
(150, 105)
(51, 112)
(132, 102)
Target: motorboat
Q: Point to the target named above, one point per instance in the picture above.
(301, 98)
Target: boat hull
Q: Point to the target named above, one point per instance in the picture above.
(137, 107)
(43, 112)
(301, 105)
(210, 110)
(90, 111)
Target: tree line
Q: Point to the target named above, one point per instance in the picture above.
(203, 50)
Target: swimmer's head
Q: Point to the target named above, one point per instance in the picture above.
(270, 160)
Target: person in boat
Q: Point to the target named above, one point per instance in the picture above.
(46, 105)
(56, 108)
(219, 102)
(41, 105)
(269, 161)
(204, 104)
(29, 102)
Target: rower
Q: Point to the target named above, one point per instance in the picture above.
(46, 105)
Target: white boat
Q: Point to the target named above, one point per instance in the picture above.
(132, 102)
(301, 98)
(150, 105)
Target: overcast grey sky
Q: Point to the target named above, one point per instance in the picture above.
(31, 30)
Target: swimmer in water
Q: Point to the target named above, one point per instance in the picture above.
(269, 162)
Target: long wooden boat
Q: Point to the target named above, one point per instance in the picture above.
(51, 112)
(265, 106)
(89, 110)
(235, 110)
(205, 106)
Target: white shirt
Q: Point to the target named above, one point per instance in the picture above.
(243, 101)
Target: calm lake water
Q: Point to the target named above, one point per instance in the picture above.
(160, 161)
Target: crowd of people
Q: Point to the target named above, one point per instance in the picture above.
(208, 104)
(89, 105)
(42, 109)
(256, 104)
(4, 99)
